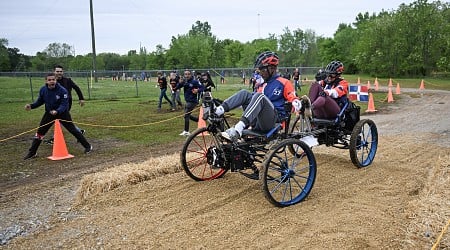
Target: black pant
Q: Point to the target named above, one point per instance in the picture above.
(188, 114)
(66, 121)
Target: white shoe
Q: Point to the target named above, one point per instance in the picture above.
(185, 133)
(231, 134)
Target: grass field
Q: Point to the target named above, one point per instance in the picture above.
(125, 111)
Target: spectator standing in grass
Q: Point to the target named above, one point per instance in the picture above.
(56, 100)
(287, 75)
(296, 76)
(191, 89)
(162, 83)
(176, 99)
(222, 77)
(207, 82)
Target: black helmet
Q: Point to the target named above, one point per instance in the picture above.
(335, 67)
(321, 75)
(266, 58)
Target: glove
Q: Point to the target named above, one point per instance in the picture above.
(332, 93)
(297, 105)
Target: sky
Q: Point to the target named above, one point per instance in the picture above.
(124, 25)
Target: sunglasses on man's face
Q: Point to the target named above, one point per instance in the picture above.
(332, 76)
(263, 69)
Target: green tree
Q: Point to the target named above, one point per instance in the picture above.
(298, 48)
(5, 64)
(59, 50)
(311, 53)
(158, 58)
(254, 48)
(80, 62)
(192, 50)
(292, 46)
(409, 41)
(344, 41)
(233, 54)
(112, 61)
(40, 62)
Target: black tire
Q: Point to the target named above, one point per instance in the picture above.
(288, 178)
(363, 143)
(194, 156)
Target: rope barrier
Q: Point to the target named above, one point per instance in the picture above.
(26, 132)
(430, 83)
(102, 126)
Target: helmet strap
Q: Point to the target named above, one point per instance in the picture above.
(271, 70)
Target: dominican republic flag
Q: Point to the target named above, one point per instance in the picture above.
(358, 93)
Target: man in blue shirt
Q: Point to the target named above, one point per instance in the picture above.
(264, 107)
(56, 100)
(191, 89)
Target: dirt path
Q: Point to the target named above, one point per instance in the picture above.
(400, 202)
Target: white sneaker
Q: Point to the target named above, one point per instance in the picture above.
(185, 133)
(231, 134)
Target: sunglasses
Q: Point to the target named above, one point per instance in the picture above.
(263, 69)
(332, 76)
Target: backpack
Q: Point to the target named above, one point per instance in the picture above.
(352, 116)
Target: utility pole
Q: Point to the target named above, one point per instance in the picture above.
(94, 60)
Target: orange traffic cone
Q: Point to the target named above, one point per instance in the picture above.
(397, 90)
(201, 123)
(359, 81)
(376, 84)
(371, 104)
(390, 97)
(368, 85)
(59, 145)
(422, 85)
(390, 82)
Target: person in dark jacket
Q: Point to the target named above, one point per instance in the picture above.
(174, 79)
(162, 82)
(56, 100)
(207, 82)
(191, 88)
(68, 84)
(296, 76)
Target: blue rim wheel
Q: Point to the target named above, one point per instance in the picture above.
(288, 173)
(363, 143)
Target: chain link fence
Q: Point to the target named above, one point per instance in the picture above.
(141, 83)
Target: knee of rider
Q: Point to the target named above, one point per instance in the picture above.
(225, 107)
